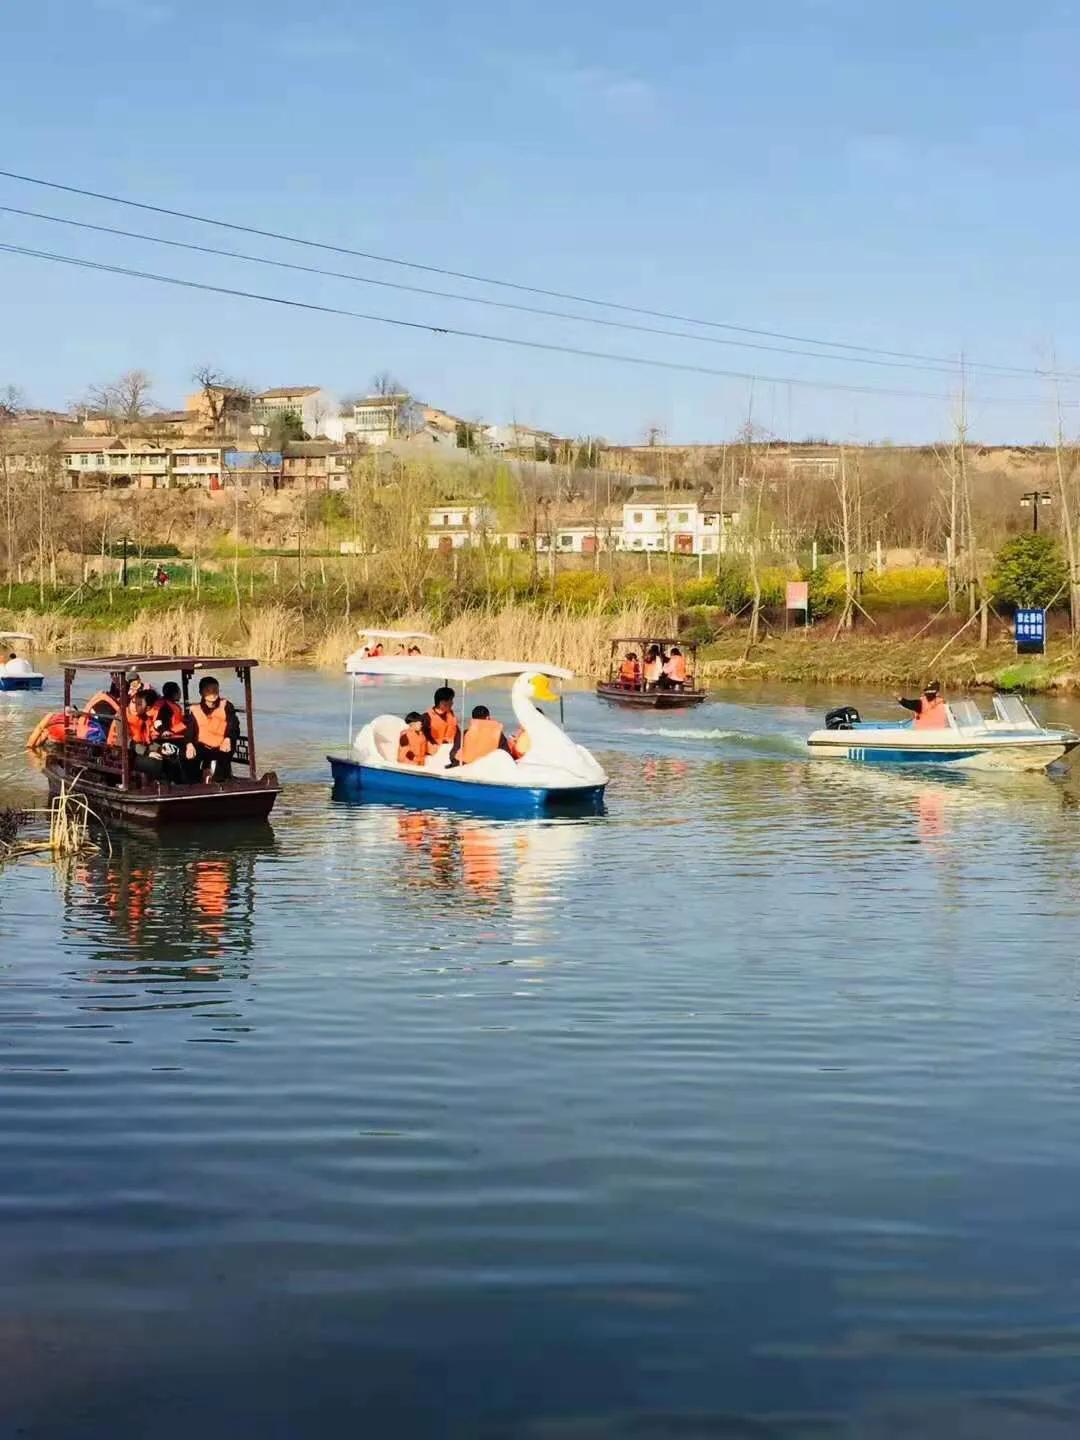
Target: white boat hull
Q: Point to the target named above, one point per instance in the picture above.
(945, 748)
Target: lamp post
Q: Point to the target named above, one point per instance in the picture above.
(123, 564)
(1035, 498)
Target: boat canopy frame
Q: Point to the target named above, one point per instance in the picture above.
(118, 667)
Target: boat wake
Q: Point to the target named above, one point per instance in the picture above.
(742, 739)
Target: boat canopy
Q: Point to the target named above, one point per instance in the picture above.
(15, 635)
(156, 663)
(394, 635)
(466, 672)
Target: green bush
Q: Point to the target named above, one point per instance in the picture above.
(1029, 570)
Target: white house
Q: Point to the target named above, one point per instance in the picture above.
(580, 539)
(316, 407)
(457, 524)
(518, 440)
(665, 521)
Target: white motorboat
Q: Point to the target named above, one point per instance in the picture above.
(18, 673)
(1010, 739)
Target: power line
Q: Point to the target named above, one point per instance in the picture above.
(548, 346)
(944, 361)
(476, 299)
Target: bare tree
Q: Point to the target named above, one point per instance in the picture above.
(385, 382)
(126, 398)
(221, 394)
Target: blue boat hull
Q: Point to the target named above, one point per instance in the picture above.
(366, 782)
(19, 682)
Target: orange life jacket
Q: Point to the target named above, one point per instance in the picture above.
(211, 726)
(138, 727)
(94, 704)
(520, 744)
(629, 672)
(653, 671)
(376, 651)
(480, 739)
(444, 728)
(931, 714)
(412, 748)
(176, 727)
(675, 669)
(49, 727)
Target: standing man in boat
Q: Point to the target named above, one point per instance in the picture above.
(440, 723)
(929, 708)
(213, 730)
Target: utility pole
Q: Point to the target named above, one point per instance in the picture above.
(1035, 498)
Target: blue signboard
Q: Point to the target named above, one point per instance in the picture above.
(1030, 632)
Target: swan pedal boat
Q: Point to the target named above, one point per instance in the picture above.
(1011, 739)
(19, 673)
(555, 775)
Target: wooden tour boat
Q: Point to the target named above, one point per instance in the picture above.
(662, 696)
(115, 790)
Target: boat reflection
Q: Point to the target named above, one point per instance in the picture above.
(163, 922)
(517, 866)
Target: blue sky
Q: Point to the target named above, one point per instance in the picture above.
(895, 176)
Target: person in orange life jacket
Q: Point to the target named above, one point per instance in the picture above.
(674, 677)
(929, 708)
(167, 714)
(212, 733)
(94, 722)
(51, 729)
(376, 651)
(440, 723)
(412, 742)
(483, 737)
(653, 668)
(630, 671)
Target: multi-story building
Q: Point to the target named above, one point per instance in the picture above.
(456, 524)
(315, 465)
(659, 520)
(253, 469)
(91, 464)
(519, 440)
(378, 419)
(314, 406)
(109, 460)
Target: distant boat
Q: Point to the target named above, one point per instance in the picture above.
(1012, 739)
(637, 693)
(18, 673)
(555, 774)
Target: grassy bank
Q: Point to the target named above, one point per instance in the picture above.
(579, 638)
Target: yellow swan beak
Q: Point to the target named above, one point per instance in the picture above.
(541, 689)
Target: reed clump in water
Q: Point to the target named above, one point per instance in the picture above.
(69, 829)
(275, 634)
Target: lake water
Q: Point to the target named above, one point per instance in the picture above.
(748, 1109)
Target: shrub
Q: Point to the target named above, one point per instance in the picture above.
(1028, 570)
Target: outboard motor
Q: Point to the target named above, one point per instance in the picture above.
(845, 717)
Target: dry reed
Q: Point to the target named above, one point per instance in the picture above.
(170, 632)
(580, 642)
(275, 634)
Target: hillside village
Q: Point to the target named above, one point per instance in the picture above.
(573, 497)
